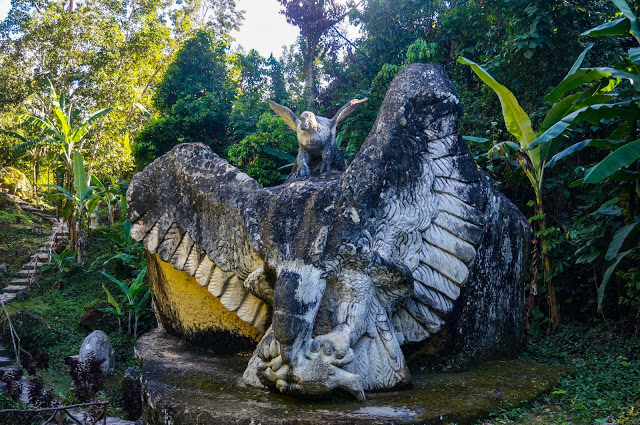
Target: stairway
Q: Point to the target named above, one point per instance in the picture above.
(59, 236)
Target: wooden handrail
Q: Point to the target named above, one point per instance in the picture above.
(15, 339)
(61, 411)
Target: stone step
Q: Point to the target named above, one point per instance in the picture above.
(30, 266)
(8, 297)
(42, 257)
(26, 206)
(25, 273)
(14, 289)
(5, 361)
(19, 282)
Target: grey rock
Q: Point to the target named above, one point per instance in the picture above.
(97, 342)
(411, 250)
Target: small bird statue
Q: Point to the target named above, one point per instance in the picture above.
(317, 139)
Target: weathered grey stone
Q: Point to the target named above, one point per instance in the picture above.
(204, 388)
(409, 253)
(97, 342)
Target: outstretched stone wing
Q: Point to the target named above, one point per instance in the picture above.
(421, 197)
(190, 208)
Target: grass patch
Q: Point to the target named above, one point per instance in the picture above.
(61, 311)
(17, 239)
(602, 385)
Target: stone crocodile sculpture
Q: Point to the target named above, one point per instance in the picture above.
(339, 271)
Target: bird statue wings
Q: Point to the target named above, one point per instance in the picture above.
(340, 270)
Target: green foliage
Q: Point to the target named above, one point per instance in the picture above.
(17, 240)
(51, 319)
(193, 99)
(251, 153)
(110, 54)
(113, 196)
(63, 263)
(250, 74)
(126, 255)
(63, 127)
(15, 181)
(82, 201)
(418, 51)
(136, 300)
(624, 143)
(602, 382)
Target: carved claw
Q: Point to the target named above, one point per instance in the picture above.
(335, 347)
(303, 171)
(324, 167)
(318, 372)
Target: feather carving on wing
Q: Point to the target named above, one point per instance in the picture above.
(431, 217)
(419, 203)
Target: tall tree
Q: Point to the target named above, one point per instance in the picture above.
(250, 75)
(314, 18)
(103, 54)
(278, 91)
(218, 16)
(193, 99)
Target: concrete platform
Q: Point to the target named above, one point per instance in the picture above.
(183, 385)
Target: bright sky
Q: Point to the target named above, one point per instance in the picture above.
(5, 5)
(263, 29)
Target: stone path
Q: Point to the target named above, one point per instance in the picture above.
(22, 283)
(59, 235)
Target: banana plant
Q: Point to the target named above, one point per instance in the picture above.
(115, 309)
(62, 263)
(135, 299)
(532, 161)
(81, 203)
(62, 131)
(111, 195)
(125, 250)
(624, 142)
(63, 128)
(537, 151)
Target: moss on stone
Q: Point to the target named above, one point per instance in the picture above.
(185, 385)
(15, 181)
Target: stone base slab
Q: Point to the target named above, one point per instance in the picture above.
(183, 385)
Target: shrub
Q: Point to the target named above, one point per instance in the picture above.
(87, 378)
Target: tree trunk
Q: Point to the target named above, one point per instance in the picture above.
(546, 262)
(71, 5)
(309, 78)
(35, 175)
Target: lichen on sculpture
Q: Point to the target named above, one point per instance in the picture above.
(342, 270)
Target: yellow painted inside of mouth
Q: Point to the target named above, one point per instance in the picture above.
(188, 309)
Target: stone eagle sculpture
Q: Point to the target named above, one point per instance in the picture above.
(340, 270)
